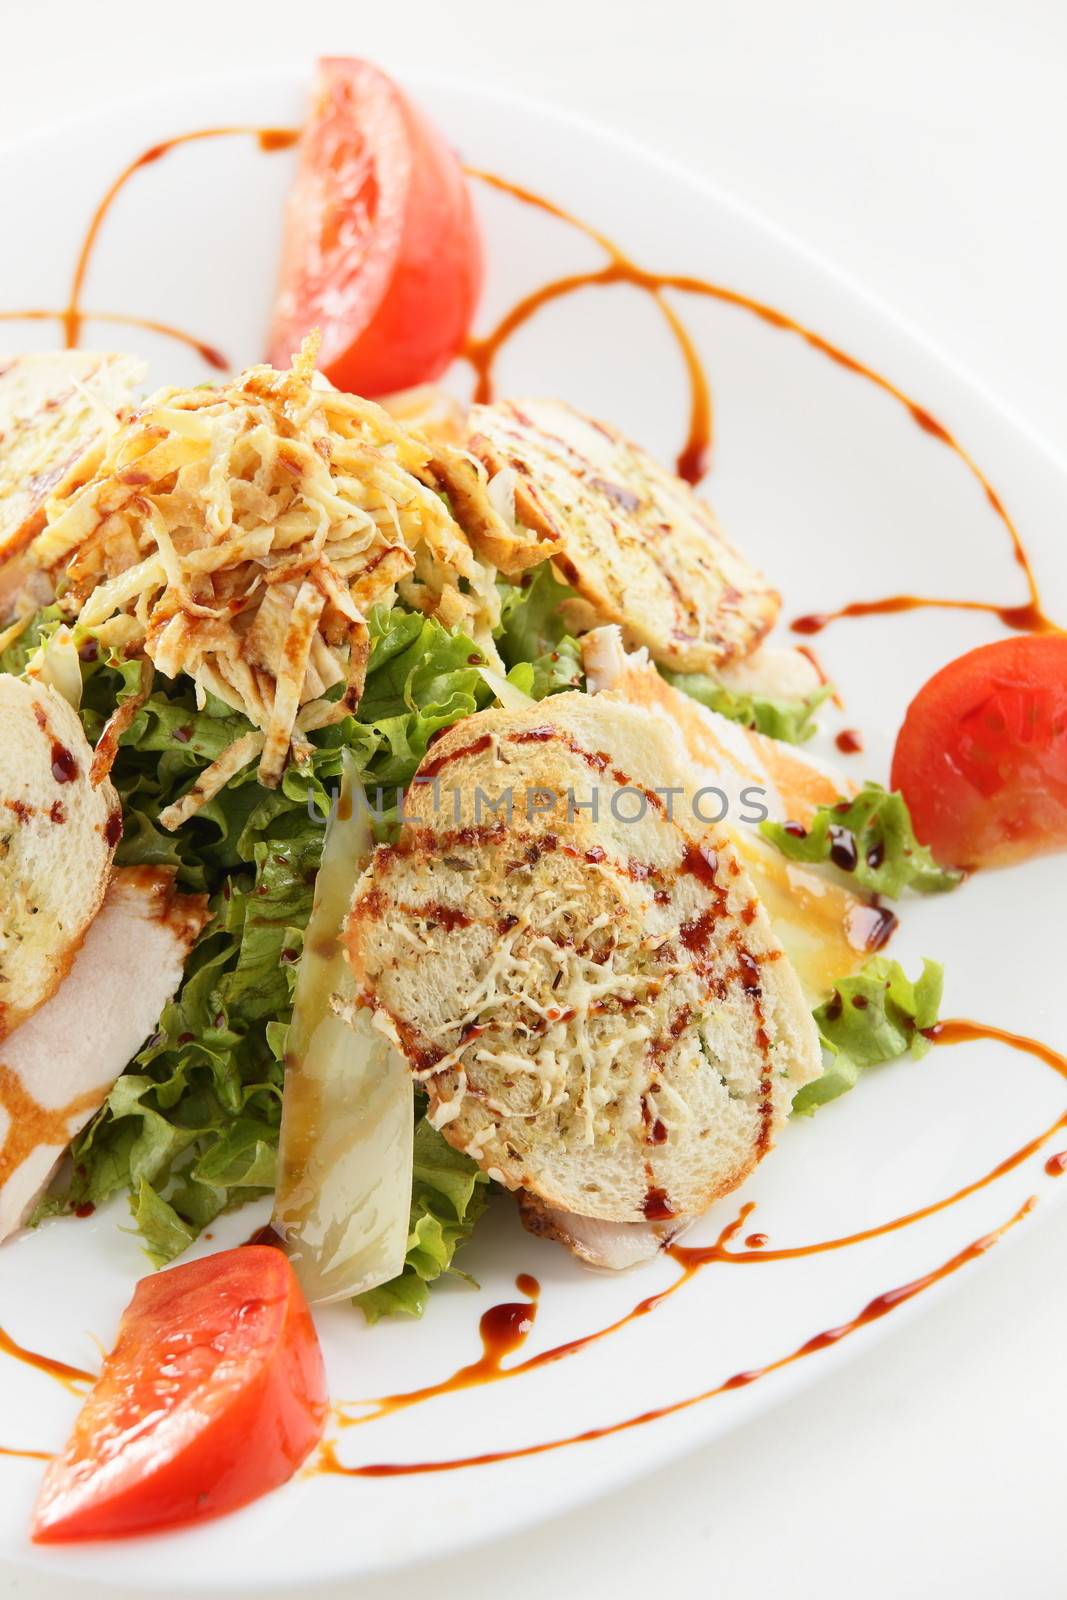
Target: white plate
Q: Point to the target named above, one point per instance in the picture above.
(831, 486)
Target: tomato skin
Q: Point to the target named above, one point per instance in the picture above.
(214, 1393)
(382, 251)
(981, 757)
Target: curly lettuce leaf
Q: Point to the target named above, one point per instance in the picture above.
(38, 628)
(530, 619)
(542, 657)
(792, 721)
(870, 837)
(420, 679)
(191, 1128)
(879, 1014)
(449, 1193)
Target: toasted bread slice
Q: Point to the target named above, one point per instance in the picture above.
(635, 542)
(599, 1008)
(54, 415)
(58, 1068)
(57, 836)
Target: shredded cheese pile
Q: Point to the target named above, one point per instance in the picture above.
(239, 534)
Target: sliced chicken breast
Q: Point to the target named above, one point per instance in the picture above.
(597, 1006)
(637, 544)
(605, 1246)
(57, 1069)
(57, 836)
(776, 672)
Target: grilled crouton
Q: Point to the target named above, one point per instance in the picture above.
(598, 1008)
(635, 542)
(827, 929)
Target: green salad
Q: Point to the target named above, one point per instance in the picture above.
(191, 1128)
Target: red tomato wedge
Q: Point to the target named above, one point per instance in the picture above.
(381, 252)
(214, 1393)
(982, 755)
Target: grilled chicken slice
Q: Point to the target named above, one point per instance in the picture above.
(635, 542)
(57, 1069)
(605, 1246)
(779, 673)
(57, 836)
(598, 1008)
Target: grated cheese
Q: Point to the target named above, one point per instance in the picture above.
(241, 532)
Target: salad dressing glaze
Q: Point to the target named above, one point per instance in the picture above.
(694, 1258)
(30, 1125)
(73, 317)
(504, 1328)
(72, 1378)
(875, 1309)
(207, 352)
(692, 461)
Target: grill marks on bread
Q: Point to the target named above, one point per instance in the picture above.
(599, 1010)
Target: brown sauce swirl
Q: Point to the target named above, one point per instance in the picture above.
(72, 1378)
(849, 741)
(693, 1259)
(482, 351)
(503, 1329)
(73, 316)
(693, 458)
(879, 1307)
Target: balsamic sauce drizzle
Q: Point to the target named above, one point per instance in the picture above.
(693, 1259)
(72, 1378)
(693, 459)
(72, 317)
(504, 1328)
(875, 1309)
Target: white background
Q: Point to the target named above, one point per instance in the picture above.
(919, 145)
